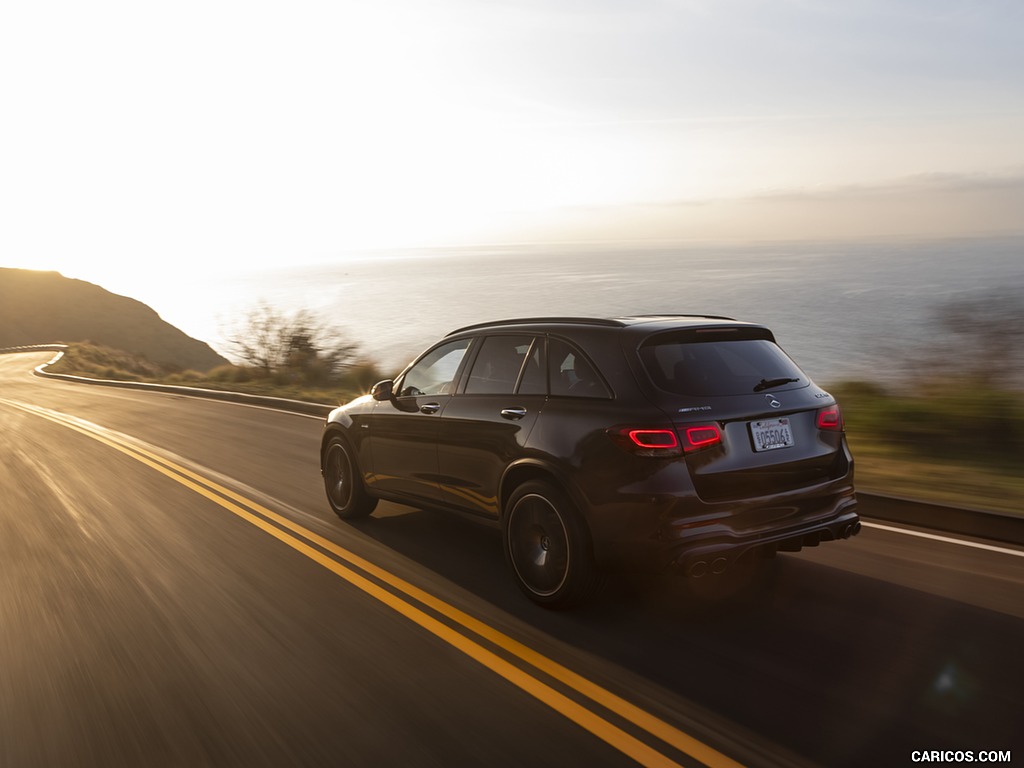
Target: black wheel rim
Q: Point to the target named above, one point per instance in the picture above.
(338, 476)
(538, 545)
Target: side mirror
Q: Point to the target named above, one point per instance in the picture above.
(383, 390)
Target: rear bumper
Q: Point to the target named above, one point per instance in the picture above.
(695, 538)
(717, 554)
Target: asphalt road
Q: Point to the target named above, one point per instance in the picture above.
(174, 591)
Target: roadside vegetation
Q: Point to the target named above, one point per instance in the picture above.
(297, 356)
(951, 432)
(963, 447)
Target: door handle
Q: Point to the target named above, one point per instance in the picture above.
(513, 413)
(430, 408)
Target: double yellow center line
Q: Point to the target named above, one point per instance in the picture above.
(399, 595)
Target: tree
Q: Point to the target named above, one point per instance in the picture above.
(987, 335)
(981, 338)
(300, 346)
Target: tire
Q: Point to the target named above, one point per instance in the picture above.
(547, 546)
(344, 485)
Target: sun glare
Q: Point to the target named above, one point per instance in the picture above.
(235, 136)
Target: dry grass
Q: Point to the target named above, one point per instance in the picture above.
(99, 362)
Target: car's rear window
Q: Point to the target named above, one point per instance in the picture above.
(684, 366)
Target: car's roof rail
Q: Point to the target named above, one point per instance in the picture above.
(535, 320)
(671, 314)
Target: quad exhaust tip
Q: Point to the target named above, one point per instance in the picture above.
(703, 568)
(720, 565)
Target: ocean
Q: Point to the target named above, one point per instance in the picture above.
(842, 310)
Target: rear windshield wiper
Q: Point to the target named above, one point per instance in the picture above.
(764, 384)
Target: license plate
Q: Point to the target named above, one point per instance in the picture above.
(771, 434)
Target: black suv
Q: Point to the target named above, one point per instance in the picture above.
(668, 443)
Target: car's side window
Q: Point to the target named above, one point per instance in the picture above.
(498, 364)
(571, 374)
(532, 381)
(434, 374)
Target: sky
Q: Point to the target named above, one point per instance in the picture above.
(144, 141)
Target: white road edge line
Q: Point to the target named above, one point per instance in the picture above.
(947, 539)
(60, 354)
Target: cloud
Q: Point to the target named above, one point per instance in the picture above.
(921, 206)
(917, 184)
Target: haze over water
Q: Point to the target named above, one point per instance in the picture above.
(841, 310)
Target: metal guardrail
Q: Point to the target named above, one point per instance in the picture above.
(937, 517)
(280, 403)
(34, 348)
(940, 517)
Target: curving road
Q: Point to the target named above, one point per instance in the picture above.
(174, 591)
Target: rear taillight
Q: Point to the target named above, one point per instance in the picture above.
(830, 419)
(653, 438)
(645, 441)
(665, 442)
(696, 437)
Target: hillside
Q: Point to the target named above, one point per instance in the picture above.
(44, 307)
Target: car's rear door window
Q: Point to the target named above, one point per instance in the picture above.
(532, 380)
(498, 365)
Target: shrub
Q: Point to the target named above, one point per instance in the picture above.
(965, 420)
